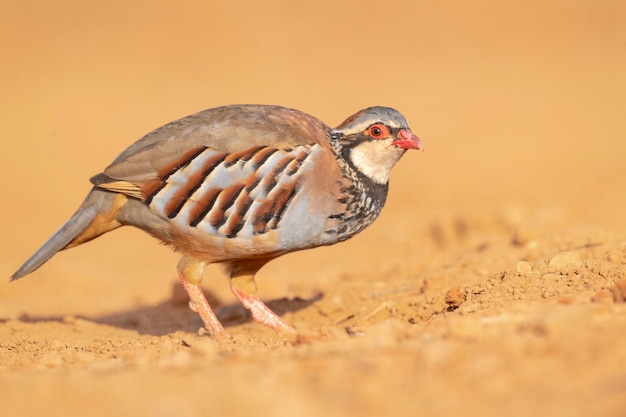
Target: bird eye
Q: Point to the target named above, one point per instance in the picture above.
(378, 131)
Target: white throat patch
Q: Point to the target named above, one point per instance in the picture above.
(375, 159)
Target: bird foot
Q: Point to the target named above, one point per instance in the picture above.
(262, 313)
(199, 304)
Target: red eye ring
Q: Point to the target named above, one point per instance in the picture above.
(378, 131)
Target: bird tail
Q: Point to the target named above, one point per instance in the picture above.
(95, 216)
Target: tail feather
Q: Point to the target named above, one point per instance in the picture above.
(95, 216)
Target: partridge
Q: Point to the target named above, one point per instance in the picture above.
(242, 185)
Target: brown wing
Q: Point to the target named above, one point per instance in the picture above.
(229, 129)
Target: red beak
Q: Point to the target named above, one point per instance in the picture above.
(407, 140)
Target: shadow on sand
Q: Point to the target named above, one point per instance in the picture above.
(172, 315)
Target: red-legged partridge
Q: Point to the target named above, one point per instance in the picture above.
(242, 185)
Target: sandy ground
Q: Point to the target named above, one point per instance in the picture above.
(492, 285)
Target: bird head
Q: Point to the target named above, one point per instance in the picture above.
(373, 141)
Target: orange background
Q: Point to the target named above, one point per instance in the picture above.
(517, 105)
(521, 107)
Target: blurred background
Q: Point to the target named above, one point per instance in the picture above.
(521, 107)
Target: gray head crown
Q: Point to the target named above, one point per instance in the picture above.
(360, 121)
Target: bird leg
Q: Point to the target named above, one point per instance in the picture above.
(190, 274)
(242, 284)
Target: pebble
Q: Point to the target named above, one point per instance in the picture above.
(455, 297)
(565, 261)
(523, 267)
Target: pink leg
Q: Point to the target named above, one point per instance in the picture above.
(260, 312)
(199, 304)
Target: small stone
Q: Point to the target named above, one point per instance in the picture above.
(523, 267)
(455, 297)
(565, 261)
